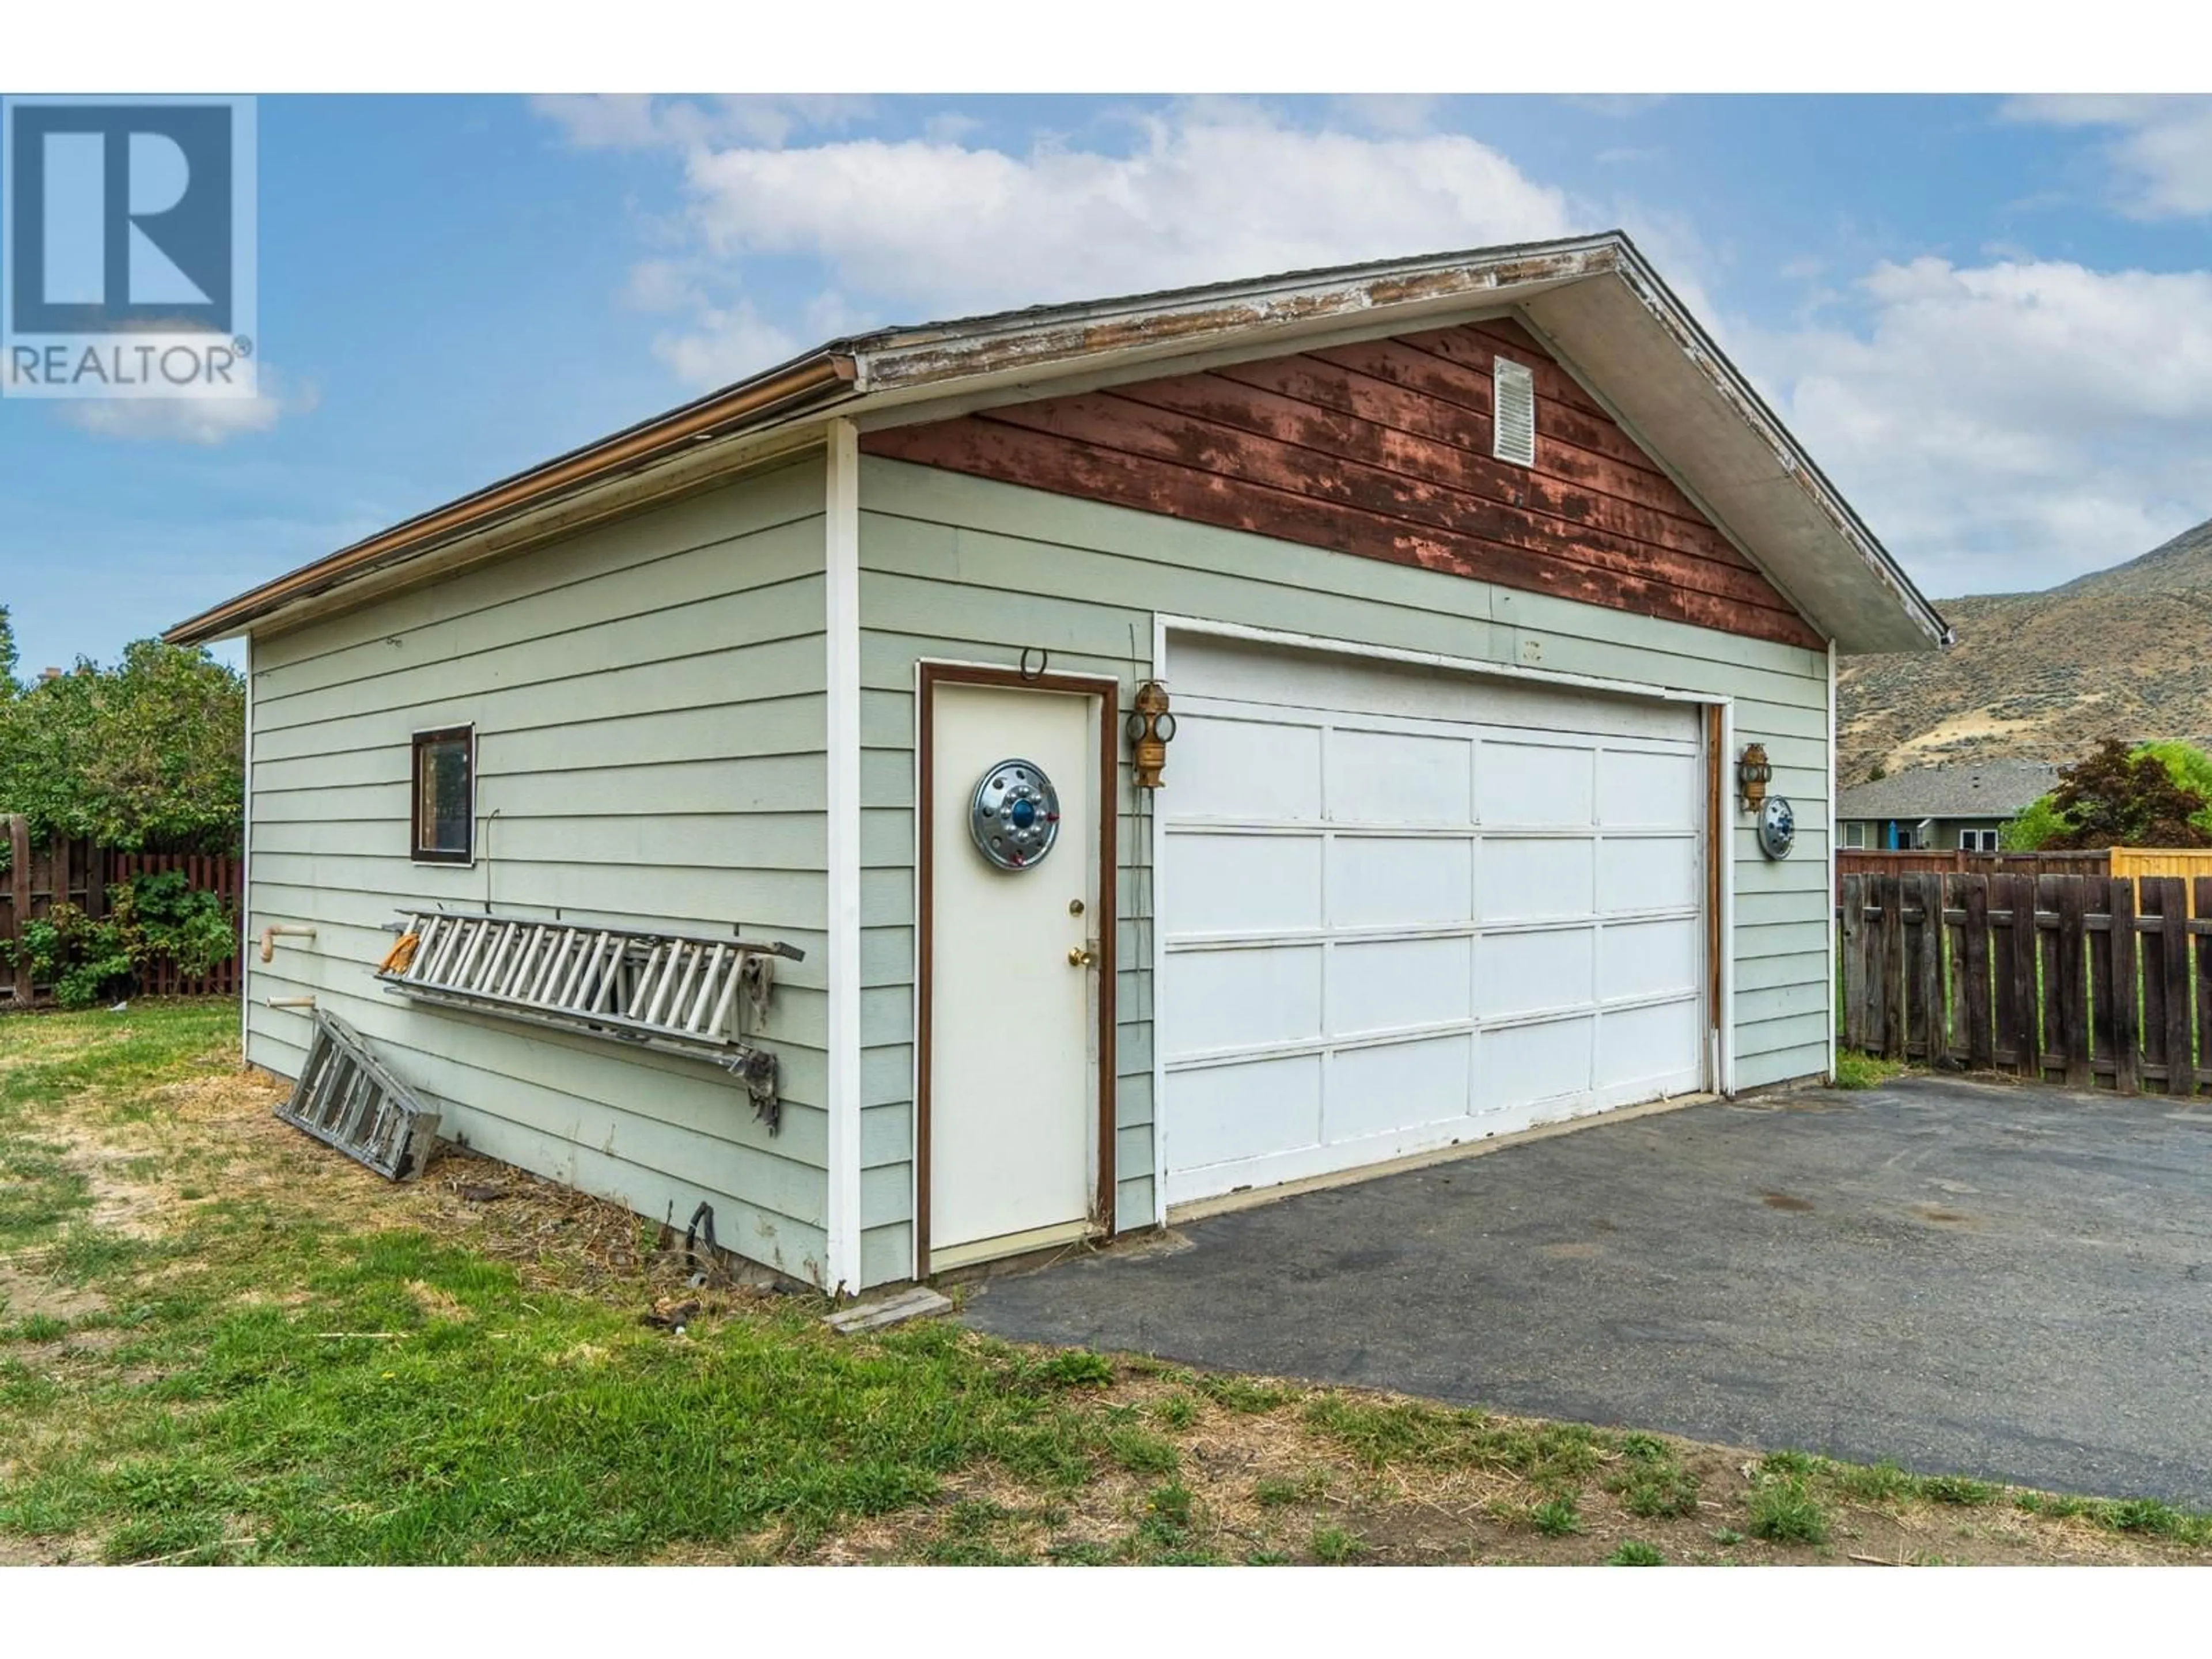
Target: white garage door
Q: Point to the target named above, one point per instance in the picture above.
(1402, 909)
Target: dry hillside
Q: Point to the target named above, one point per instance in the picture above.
(2124, 653)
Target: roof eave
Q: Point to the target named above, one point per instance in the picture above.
(1864, 601)
(817, 379)
(1735, 459)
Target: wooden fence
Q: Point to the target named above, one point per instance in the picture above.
(2081, 979)
(1855, 861)
(206, 873)
(2187, 862)
(76, 873)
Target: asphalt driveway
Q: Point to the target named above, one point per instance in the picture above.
(2014, 1282)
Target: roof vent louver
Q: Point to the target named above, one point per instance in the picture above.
(1513, 412)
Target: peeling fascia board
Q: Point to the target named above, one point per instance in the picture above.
(708, 466)
(914, 406)
(1794, 464)
(935, 363)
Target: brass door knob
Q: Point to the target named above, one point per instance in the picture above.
(1079, 957)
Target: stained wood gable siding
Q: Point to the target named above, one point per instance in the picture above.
(1383, 450)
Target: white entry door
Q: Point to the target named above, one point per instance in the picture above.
(1403, 909)
(1012, 1107)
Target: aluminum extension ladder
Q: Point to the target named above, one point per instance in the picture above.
(682, 993)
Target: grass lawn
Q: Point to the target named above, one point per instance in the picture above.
(222, 1342)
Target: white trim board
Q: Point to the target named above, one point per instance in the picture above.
(841, 643)
(248, 953)
(1828, 860)
(1164, 625)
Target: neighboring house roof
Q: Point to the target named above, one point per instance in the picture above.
(1592, 301)
(1999, 789)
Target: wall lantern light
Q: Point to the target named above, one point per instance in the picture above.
(1151, 729)
(1754, 773)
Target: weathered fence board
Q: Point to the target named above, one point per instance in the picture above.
(2202, 953)
(2100, 992)
(1850, 951)
(2127, 1076)
(1974, 937)
(2026, 966)
(2089, 980)
(2150, 901)
(2181, 1041)
(2072, 897)
(1934, 1029)
(40, 876)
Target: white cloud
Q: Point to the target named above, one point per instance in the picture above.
(928, 226)
(725, 343)
(633, 121)
(1397, 112)
(952, 228)
(2007, 425)
(2160, 153)
(203, 421)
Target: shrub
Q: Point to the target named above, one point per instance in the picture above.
(1556, 1517)
(1785, 1512)
(149, 917)
(1333, 1546)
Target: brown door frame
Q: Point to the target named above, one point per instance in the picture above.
(1108, 691)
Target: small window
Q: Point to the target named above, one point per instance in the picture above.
(1513, 412)
(1978, 841)
(445, 795)
(1855, 834)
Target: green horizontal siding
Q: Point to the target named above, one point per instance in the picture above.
(972, 570)
(650, 713)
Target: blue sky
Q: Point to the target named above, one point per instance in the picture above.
(1991, 320)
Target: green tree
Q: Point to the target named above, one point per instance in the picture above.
(2191, 768)
(8, 686)
(2044, 827)
(2115, 798)
(149, 752)
(2034, 829)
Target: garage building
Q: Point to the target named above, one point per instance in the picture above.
(1477, 598)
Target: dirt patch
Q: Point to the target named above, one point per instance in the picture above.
(437, 1305)
(216, 1135)
(25, 1294)
(224, 1090)
(126, 1197)
(1785, 1201)
(17, 1551)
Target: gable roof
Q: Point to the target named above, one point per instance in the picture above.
(1997, 789)
(1592, 301)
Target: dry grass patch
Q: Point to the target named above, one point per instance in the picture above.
(222, 1341)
